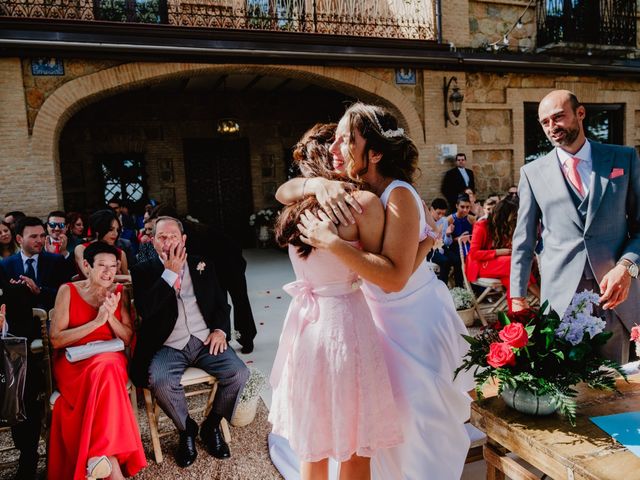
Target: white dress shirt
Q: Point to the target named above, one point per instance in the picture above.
(465, 175)
(585, 165)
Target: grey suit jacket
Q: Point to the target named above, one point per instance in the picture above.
(610, 232)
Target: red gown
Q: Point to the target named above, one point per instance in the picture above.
(482, 260)
(93, 415)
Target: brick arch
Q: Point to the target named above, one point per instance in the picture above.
(76, 94)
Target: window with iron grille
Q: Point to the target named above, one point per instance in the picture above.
(123, 177)
(603, 123)
(587, 22)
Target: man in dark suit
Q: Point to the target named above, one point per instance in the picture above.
(456, 180)
(20, 293)
(38, 271)
(185, 322)
(212, 242)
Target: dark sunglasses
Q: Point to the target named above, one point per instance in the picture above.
(60, 225)
(513, 194)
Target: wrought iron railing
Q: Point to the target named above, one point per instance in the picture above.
(410, 19)
(595, 22)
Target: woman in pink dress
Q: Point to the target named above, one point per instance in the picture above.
(413, 311)
(332, 394)
(93, 430)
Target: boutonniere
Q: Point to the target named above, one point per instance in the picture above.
(200, 267)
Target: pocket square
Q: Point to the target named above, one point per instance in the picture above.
(616, 172)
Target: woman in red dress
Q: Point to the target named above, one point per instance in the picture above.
(490, 251)
(93, 430)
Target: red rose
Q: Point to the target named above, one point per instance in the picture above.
(523, 316)
(515, 335)
(500, 354)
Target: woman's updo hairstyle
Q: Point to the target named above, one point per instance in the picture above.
(382, 135)
(313, 159)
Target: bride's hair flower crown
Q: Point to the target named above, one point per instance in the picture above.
(398, 132)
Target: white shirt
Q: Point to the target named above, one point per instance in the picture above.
(465, 175)
(24, 262)
(585, 165)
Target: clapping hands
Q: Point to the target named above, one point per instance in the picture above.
(108, 308)
(27, 282)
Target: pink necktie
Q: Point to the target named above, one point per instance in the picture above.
(573, 175)
(177, 284)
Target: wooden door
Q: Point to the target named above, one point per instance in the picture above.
(218, 178)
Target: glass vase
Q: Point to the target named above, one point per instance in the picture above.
(526, 401)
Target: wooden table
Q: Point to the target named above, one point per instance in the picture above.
(552, 445)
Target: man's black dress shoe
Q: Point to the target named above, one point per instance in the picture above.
(187, 452)
(247, 347)
(214, 441)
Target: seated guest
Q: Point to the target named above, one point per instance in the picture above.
(490, 250)
(75, 223)
(20, 322)
(211, 241)
(145, 240)
(8, 245)
(185, 322)
(105, 227)
(41, 273)
(487, 207)
(462, 224)
(93, 430)
(476, 207)
(12, 218)
(438, 255)
(57, 240)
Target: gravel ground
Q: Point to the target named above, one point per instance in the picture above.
(249, 453)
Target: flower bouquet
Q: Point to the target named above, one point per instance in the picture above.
(462, 298)
(547, 355)
(262, 217)
(635, 338)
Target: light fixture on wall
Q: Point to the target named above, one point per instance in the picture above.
(452, 101)
(227, 125)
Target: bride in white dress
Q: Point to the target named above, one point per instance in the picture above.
(413, 310)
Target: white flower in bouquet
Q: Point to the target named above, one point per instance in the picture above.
(252, 219)
(579, 319)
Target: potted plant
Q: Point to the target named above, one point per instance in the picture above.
(262, 220)
(463, 300)
(247, 406)
(538, 356)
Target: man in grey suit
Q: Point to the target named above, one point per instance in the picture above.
(585, 197)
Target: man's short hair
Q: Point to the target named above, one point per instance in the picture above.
(24, 222)
(463, 197)
(96, 248)
(56, 213)
(16, 214)
(115, 200)
(167, 218)
(464, 155)
(439, 204)
(574, 102)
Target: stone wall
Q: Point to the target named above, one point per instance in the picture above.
(490, 20)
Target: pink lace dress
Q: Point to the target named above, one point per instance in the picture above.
(332, 395)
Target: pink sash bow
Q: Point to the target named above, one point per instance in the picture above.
(304, 310)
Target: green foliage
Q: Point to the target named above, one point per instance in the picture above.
(547, 364)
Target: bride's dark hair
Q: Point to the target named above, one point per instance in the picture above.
(382, 135)
(311, 155)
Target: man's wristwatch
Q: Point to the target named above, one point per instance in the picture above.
(632, 268)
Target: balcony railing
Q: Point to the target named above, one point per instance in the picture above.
(587, 22)
(408, 19)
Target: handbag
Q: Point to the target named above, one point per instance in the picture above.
(13, 376)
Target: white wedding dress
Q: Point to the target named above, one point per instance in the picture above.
(421, 338)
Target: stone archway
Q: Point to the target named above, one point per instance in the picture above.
(83, 91)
